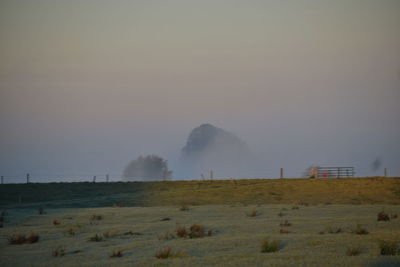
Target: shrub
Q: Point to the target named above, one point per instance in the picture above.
(116, 254)
(281, 214)
(393, 216)
(58, 252)
(382, 216)
(353, 251)
(210, 232)
(270, 245)
(109, 234)
(359, 230)
(165, 219)
(96, 238)
(389, 248)
(181, 232)
(196, 231)
(295, 208)
(22, 239)
(285, 223)
(56, 222)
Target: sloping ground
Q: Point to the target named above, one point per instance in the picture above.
(275, 191)
(246, 191)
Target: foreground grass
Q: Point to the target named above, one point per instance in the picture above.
(133, 234)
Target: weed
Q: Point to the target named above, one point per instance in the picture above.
(353, 251)
(389, 248)
(58, 252)
(196, 231)
(270, 245)
(359, 230)
(181, 232)
(285, 223)
(96, 238)
(116, 254)
(382, 216)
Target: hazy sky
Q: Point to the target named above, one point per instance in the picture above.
(86, 86)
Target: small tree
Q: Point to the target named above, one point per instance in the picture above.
(148, 168)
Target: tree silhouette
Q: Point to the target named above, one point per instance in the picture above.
(147, 168)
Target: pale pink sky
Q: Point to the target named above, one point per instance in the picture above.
(86, 86)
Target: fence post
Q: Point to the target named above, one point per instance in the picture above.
(2, 179)
(385, 172)
(27, 178)
(94, 179)
(107, 178)
(211, 175)
(281, 173)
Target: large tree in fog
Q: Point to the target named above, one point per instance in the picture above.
(147, 168)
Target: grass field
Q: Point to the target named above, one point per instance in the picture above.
(317, 223)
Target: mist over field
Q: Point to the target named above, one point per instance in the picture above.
(87, 86)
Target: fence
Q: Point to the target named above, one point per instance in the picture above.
(324, 172)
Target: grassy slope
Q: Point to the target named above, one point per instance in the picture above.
(236, 242)
(254, 191)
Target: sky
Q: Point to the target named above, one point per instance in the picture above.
(86, 86)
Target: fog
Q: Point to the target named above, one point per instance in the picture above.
(87, 86)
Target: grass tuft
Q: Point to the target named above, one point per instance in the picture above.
(96, 238)
(167, 253)
(359, 230)
(268, 246)
(196, 231)
(22, 239)
(353, 251)
(58, 252)
(382, 216)
(253, 213)
(181, 232)
(116, 254)
(389, 248)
